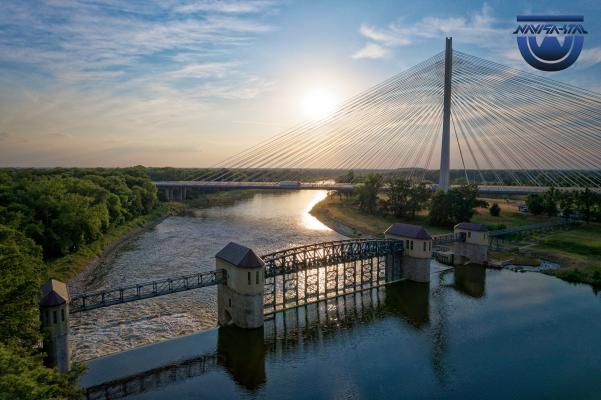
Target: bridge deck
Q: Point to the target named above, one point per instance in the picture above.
(344, 187)
(90, 301)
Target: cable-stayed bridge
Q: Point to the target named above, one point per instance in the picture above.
(507, 130)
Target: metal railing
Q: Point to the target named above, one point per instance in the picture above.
(327, 253)
(105, 298)
(530, 228)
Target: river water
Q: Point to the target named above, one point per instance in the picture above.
(470, 333)
(181, 246)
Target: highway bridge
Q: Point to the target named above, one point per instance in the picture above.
(178, 190)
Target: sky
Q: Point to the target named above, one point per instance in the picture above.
(189, 83)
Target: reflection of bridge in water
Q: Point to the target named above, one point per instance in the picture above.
(243, 353)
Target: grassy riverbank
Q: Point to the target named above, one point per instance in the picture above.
(67, 267)
(334, 210)
(577, 250)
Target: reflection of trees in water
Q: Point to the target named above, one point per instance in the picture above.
(242, 352)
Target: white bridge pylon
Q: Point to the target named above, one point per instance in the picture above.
(498, 125)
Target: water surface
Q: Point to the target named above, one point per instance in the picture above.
(470, 333)
(181, 246)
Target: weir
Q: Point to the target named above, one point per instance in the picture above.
(252, 288)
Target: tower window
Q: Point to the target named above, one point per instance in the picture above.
(54, 317)
(257, 277)
(412, 245)
(424, 246)
(63, 314)
(249, 279)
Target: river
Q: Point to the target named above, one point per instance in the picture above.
(181, 246)
(470, 333)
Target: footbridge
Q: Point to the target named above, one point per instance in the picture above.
(249, 287)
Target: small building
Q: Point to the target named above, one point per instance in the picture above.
(472, 233)
(417, 242)
(240, 299)
(54, 314)
(473, 244)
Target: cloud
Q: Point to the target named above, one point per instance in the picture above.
(371, 50)
(590, 56)
(228, 7)
(102, 70)
(479, 28)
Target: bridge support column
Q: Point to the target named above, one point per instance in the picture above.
(54, 314)
(473, 244)
(240, 299)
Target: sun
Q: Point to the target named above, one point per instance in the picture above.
(318, 103)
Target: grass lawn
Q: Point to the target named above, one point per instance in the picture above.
(510, 215)
(577, 250)
(334, 209)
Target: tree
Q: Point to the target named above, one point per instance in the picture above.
(349, 177)
(400, 189)
(20, 279)
(368, 192)
(24, 377)
(566, 203)
(550, 201)
(586, 202)
(495, 210)
(456, 205)
(535, 204)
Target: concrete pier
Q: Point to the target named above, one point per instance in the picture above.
(240, 299)
(54, 314)
(417, 250)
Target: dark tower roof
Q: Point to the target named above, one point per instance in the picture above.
(240, 256)
(54, 293)
(408, 230)
(470, 226)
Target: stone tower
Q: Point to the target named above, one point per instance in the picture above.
(240, 299)
(54, 313)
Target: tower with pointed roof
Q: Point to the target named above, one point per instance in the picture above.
(240, 298)
(54, 314)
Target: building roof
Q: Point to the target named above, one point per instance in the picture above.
(470, 226)
(408, 230)
(54, 293)
(240, 256)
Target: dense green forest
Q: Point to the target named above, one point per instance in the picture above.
(46, 215)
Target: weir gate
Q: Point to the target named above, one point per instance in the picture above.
(251, 288)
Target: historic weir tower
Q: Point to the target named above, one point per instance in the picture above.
(443, 181)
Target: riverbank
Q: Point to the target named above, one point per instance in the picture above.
(577, 249)
(74, 267)
(89, 255)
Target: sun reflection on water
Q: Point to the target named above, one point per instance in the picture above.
(310, 222)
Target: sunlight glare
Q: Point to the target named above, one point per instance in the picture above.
(318, 104)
